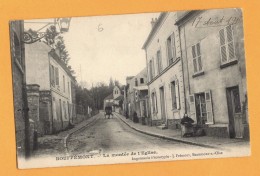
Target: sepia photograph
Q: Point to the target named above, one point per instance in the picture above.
(130, 88)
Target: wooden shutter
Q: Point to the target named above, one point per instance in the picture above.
(153, 68)
(57, 75)
(155, 98)
(177, 94)
(194, 55)
(223, 50)
(192, 107)
(167, 54)
(52, 75)
(199, 57)
(230, 40)
(173, 46)
(209, 107)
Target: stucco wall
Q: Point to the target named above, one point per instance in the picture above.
(169, 73)
(37, 64)
(59, 89)
(215, 78)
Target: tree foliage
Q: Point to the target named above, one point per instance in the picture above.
(94, 97)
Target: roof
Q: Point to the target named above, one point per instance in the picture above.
(109, 97)
(121, 97)
(154, 29)
(55, 56)
(183, 16)
(129, 77)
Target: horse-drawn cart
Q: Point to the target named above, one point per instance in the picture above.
(108, 112)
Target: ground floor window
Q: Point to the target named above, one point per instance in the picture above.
(201, 107)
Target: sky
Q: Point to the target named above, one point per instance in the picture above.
(104, 47)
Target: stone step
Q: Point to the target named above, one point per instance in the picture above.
(162, 127)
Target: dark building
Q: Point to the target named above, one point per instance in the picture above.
(19, 90)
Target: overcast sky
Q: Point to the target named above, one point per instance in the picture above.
(107, 46)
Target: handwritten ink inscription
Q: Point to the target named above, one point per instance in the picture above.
(100, 28)
(203, 22)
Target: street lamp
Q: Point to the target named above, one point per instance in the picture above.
(51, 33)
(64, 24)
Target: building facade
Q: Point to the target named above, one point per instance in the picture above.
(115, 100)
(138, 96)
(212, 47)
(55, 86)
(164, 70)
(22, 124)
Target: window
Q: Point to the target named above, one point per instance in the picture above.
(63, 83)
(57, 76)
(52, 76)
(136, 82)
(141, 80)
(151, 69)
(65, 110)
(175, 95)
(159, 62)
(170, 46)
(68, 88)
(196, 56)
(227, 50)
(201, 108)
(154, 102)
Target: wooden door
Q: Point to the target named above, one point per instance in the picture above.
(234, 113)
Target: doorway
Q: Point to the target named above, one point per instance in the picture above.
(162, 104)
(234, 112)
(201, 109)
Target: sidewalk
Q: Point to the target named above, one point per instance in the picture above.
(57, 143)
(170, 134)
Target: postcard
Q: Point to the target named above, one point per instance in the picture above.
(130, 88)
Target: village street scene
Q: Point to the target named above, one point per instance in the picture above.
(169, 81)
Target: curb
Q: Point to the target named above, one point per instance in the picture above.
(65, 140)
(168, 138)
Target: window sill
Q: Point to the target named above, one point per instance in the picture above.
(198, 74)
(224, 65)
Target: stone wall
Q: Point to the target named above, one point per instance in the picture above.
(45, 115)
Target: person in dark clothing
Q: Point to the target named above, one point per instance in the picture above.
(186, 120)
(135, 118)
(187, 129)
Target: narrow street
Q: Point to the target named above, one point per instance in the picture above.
(113, 135)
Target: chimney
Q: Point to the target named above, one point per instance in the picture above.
(154, 20)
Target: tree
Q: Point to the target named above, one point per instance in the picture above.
(61, 47)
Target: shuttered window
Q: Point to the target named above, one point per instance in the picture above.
(159, 61)
(196, 58)
(57, 76)
(201, 109)
(227, 49)
(170, 49)
(175, 95)
(52, 75)
(151, 69)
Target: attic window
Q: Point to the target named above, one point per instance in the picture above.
(141, 80)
